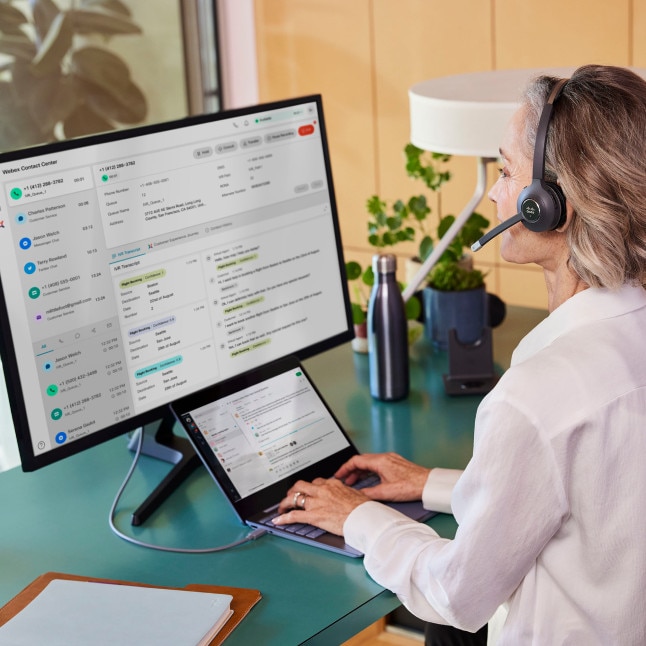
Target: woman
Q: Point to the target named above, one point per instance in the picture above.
(551, 511)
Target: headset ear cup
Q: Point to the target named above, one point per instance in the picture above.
(542, 206)
(560, 211)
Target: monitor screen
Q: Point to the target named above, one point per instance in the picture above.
(142, 265)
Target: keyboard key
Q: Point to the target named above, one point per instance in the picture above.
(314, 532)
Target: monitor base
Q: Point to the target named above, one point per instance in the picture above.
(160, 442)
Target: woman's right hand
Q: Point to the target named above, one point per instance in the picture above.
(400, 480)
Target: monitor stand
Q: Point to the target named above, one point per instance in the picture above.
(160, 442)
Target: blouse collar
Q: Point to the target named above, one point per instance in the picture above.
(592, 304)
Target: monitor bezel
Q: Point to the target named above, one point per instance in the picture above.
(18, 396)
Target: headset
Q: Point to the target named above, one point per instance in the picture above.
(541, 205)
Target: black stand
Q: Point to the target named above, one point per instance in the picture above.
(471, 370)
(160, 442)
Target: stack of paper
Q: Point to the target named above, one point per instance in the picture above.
(76, 613)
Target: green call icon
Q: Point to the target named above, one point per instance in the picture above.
(15, 193)
(52, 390)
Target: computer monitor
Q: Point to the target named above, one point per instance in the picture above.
(141, 265)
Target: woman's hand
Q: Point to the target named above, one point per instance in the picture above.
(400, 480)
(327, 503)
(322, 503)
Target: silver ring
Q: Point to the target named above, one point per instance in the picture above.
(297, 495)
(301, 504)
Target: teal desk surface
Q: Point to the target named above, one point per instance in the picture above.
(56, 519)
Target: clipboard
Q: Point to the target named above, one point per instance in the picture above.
(244, 599)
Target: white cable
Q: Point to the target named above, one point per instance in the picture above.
(252, 536)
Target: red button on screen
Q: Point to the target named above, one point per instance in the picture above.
(306, 130)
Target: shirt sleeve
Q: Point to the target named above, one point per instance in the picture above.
(438, 489)
(508, 503)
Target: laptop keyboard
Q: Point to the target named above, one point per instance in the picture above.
(309, 530)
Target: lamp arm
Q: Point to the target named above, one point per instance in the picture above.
(454, 229)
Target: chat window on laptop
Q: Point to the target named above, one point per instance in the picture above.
(267, 432)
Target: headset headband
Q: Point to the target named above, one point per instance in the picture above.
(541, 131)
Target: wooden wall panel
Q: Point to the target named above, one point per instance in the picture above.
(363, 55)
(638, 33)
(416, 40)
(323, 46)
(545, 33)
(522, 285)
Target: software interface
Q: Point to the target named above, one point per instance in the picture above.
(138, 270)
(268, 431)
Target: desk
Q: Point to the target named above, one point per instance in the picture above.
(56, 518)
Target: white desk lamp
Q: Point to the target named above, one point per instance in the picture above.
(465, 115)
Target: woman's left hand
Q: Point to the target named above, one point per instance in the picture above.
(323, 503)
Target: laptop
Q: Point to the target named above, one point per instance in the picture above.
(260, 432)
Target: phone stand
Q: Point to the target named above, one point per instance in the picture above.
(471, 370)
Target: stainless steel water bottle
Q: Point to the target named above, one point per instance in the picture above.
(387, 333)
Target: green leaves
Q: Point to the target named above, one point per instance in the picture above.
(448, 276)
(365, 276)
(413, 308)
(387, 229)
(61, 87)
(359, 315)
(472, 230)
(424, 165)
(405, 221)
(418, 207)
(408, 221)
(362, 281)
(352, 270)
(425, 248)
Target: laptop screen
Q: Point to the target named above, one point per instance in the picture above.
(266, 432)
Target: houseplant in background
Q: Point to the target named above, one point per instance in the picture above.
(54, 82)
(454, 294)
(393, 222)
(408, 221)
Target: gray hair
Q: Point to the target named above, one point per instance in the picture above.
(596, 150)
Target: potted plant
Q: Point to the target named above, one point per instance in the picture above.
(455, 294)
(400, 221)
(462, 298)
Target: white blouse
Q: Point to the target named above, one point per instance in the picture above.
(552, 506)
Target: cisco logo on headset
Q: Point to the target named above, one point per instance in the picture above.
(531, 210)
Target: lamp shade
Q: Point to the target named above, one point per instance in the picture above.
(466, 114)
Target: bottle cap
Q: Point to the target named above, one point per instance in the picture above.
(384, 263)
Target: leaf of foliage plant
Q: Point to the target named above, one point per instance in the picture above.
(43, 12)
(11, 18)
(108, 23)
(17, 46)
(56, 44)
(115, 6)
(85, 121)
